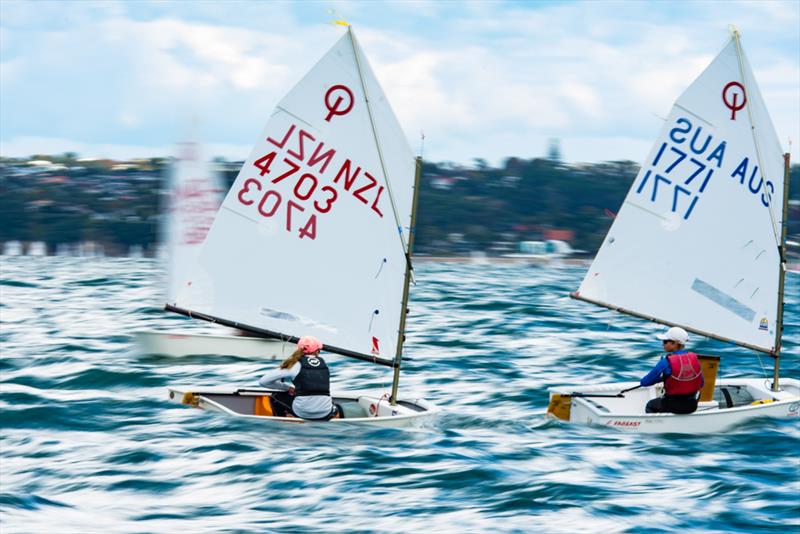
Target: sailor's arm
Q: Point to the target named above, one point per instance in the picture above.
(277, 378)
(657, 374)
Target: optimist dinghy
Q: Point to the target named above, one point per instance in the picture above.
(195, 193)
(355, 407)
(700, 243)
(315, 238)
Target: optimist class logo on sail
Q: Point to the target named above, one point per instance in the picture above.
(733, 91)
(297, 176)
(334, 108)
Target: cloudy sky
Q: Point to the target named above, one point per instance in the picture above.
(481, 79)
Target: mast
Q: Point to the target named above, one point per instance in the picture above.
(401, 334)
(781, 275)
(780, 233)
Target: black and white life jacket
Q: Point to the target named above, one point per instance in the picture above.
(314, 377)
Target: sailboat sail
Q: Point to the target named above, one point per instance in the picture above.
(696, 242)
(195, 194)
(310, 238)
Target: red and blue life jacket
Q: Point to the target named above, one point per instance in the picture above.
(687, 375)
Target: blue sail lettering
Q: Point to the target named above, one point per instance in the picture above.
(677, 130)
(750, 182)
(694, 139)
(718, 154)
(766, 198)
(762, 185)
(741, 170)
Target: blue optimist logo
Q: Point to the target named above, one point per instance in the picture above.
(763, 324)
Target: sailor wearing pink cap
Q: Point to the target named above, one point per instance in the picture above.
(310, 396)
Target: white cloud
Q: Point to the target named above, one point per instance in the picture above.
(583, 97)
(481, 79)
(128, 119)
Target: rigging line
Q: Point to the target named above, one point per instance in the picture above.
(740, 57)
(380, 268)
(763, 370)
(377, 141)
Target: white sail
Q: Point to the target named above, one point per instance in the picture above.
(195, 194)
(306, 241)
(696, 240)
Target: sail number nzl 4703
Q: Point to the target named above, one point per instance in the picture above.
(300, 177)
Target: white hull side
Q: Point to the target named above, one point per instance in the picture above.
(182, 344)
(628, 413)
(236, 402)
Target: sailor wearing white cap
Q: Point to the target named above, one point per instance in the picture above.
(680, 371)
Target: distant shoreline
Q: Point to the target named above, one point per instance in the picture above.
(499, 260)
(421, 258)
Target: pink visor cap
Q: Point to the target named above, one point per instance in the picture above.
(309, 344)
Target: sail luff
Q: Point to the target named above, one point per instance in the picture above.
(401, 334)
(740, 56)
(577, 296)
(377, 140)
(780, 233)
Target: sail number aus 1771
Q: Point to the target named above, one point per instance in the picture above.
(685, 163)
(684, 199)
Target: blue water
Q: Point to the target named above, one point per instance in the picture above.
(90, 443)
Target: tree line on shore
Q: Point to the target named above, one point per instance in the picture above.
(461, 207)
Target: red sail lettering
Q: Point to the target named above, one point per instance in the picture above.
(310, 229)
(325, 158)
(375, 202)
(293, 167)
(348, 179)
(246, 188)
(275, 203)
(285, 138)
(373, 183)
(300, 154)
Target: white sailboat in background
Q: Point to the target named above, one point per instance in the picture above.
(314, 238)
(699, 243)
(195, 194)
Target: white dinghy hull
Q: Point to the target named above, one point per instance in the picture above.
(359, 408)
(736, 401)
(177, 344)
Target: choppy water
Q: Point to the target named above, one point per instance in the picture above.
(90, 443)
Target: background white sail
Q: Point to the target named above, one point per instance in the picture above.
(195, 193)
(306, 241)
(695, 243)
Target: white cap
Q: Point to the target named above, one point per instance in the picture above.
(676, 333)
